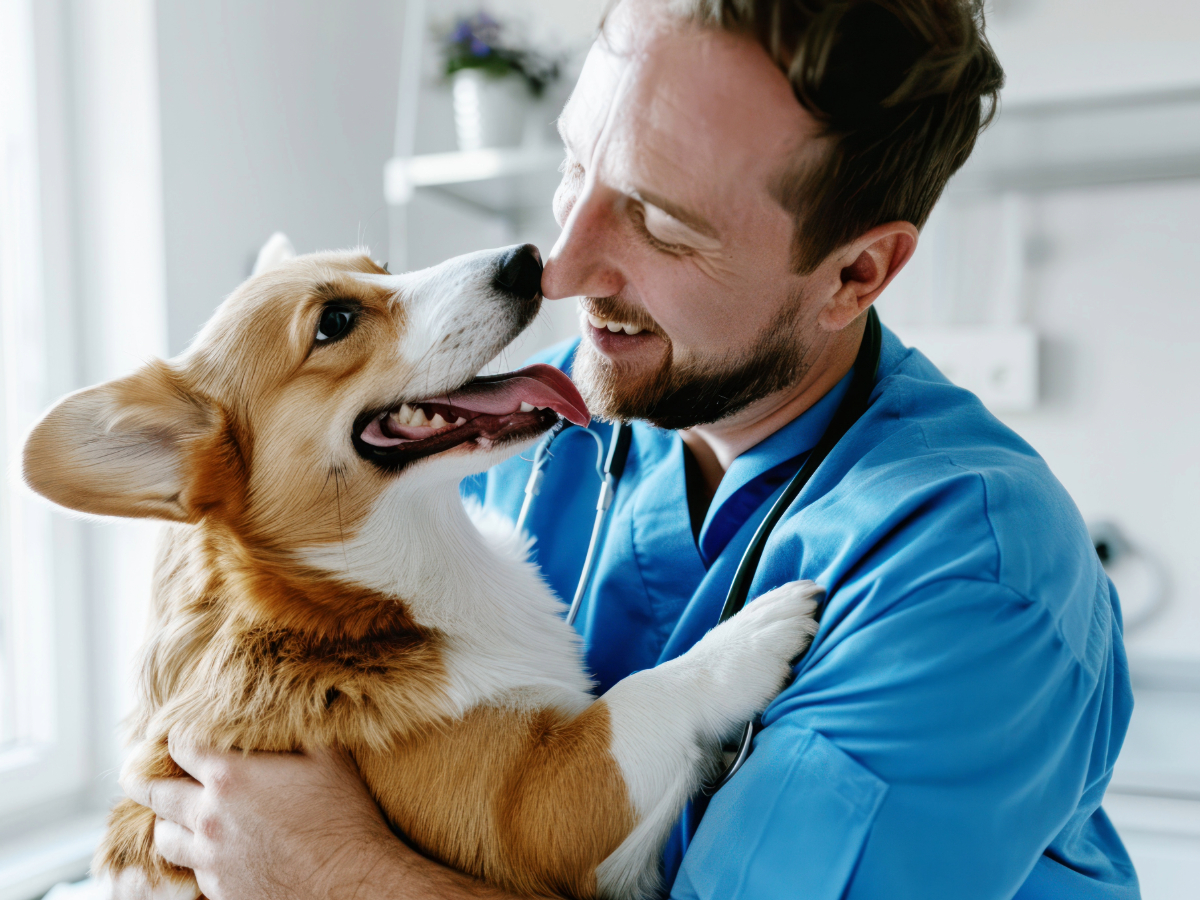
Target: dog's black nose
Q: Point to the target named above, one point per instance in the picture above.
(519, 271)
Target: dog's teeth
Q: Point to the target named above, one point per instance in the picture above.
(437, 421)
(404, 417)
(614, 327)
(596, 321)
(418, 418)
(526, 407)
(631, 329)
(461, 421)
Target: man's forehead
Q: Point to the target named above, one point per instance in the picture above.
(690, 109)
(597, 93)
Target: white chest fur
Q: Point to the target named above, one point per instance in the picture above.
(467, 575)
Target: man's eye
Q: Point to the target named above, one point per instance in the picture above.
(335, 323)
(639, 221)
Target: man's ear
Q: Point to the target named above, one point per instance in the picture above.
(123, 448)
(276, 250)
(865, 268)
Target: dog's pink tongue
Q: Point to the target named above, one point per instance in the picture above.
(539, 385)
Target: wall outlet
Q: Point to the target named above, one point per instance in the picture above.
(997, 363)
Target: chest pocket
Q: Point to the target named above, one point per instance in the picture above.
(791, 823)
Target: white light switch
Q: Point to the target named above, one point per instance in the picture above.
(997, 363)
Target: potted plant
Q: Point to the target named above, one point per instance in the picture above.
(495, 81)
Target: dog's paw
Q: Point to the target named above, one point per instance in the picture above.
(750, 656)
(783, 621)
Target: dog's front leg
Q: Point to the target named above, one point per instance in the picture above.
(126, 857)
(669, 723)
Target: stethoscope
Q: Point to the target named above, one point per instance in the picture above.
(849, 411)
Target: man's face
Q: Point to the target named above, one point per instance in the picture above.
(676, 138)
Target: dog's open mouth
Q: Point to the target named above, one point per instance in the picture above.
(484, 412)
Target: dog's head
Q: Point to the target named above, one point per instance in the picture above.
(314, 387)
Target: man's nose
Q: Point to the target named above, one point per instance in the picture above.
(519, 272)
(583, 261)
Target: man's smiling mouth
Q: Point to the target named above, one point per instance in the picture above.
(483, 413)
(617, 328)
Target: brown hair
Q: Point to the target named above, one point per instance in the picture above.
(902, 88)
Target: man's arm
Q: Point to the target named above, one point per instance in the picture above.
(273, 826)
(932, 746)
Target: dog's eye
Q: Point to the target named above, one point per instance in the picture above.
(335, 322)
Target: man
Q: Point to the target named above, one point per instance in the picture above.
(744, 178)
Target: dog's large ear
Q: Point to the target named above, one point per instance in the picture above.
(277, 249)
(123, 448)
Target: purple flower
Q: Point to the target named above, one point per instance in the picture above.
(461, 33)
(479, 48)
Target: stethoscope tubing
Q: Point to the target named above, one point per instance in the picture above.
(849, 411)
(614, 467)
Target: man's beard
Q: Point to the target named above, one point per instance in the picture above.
(681, 395)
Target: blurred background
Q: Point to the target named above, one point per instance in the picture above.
(149, 149)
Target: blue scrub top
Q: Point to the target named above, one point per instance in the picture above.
(953, 727)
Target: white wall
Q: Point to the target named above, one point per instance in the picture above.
(1054, 49)
(280, 115)
(276, 114)
(1116, 300)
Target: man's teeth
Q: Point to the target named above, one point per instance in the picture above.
(612, 326)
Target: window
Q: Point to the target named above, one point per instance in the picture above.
(42, 725)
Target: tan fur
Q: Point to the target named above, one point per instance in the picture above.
(555, 801)
(250, 649)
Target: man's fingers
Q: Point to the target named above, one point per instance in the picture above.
(175, 844)
(192, 758)
(174, 799)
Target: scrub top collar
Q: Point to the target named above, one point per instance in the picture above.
(756, 474)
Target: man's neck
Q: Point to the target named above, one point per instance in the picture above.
(716, 445)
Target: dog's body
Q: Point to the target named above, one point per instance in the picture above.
(324, 585)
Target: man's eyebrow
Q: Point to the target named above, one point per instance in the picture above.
(692, 220)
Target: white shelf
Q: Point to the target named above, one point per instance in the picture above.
(496, 180)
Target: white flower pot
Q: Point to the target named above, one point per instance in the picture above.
(488, 111)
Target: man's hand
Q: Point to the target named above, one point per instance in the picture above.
(270, 826)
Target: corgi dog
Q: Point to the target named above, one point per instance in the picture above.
(322, 584)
